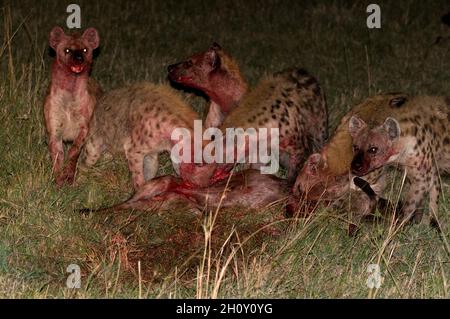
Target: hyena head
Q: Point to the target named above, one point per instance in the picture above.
(198, 71)
(316, 182)
(74, 52)
(372, 148)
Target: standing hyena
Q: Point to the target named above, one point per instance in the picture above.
(71, 99)
(138, 120)
(216, 74)
(417, 139)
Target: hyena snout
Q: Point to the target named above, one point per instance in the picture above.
(179, 72)
(359, 165)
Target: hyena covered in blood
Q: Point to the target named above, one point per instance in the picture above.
(216, 74)
(138, 120)
(291, 100)
(326, 176)
(418, 140)
(71, 98)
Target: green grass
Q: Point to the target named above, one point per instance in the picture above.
(174, 253)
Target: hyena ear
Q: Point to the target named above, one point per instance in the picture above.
(392, 127)
(214, 58)
(355, 125)
(92, 37)
(56, 36)
(215, 46)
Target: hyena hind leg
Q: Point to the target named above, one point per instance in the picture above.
(151, 164)
(435, 192)
(92, 151)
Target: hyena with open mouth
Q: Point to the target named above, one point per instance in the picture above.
(138, 120)
(71, 98)
(215, 73)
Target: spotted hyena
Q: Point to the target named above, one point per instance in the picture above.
(138, 120)
(417, 140)
(327, 175)
(293, 102)
(216, 74)
(71, 98)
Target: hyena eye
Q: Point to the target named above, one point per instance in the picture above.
(373, 150)
(67, 51)
(85, 50)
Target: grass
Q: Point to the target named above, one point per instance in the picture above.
(175, 253)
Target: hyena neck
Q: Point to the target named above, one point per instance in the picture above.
(68, 81)
(227, 92)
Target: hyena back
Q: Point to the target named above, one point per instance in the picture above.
(293, 102)
(71, 98)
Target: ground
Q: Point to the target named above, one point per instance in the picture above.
(175, 253)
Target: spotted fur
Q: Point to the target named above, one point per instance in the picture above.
(138, 120)
(293, 102)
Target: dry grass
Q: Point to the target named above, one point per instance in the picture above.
(221, 254)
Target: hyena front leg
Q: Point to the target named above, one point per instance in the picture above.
(92, 151)
(135, 159)
(56, 149)
(435, 192)
(151, 164)
(416, 194)
(68, 174)
(55, 142)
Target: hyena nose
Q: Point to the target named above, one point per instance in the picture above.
(357, 163)
(357, 167)
(78, 57)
